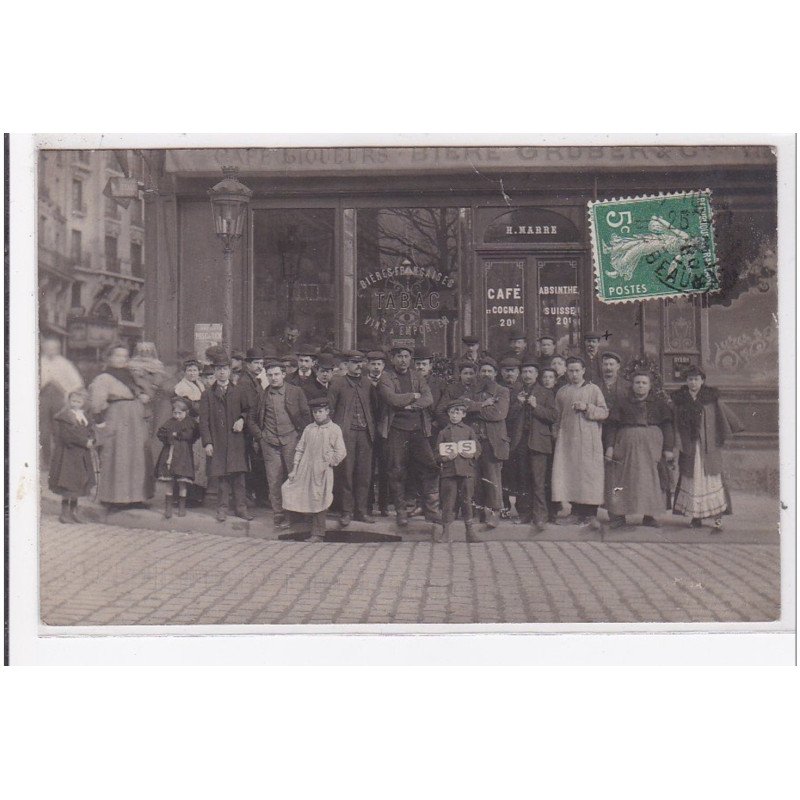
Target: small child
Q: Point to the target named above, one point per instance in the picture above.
(176, 462)
(309, 487)
(72, 466)
(458, 448)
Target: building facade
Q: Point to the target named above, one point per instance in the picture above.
(91, 253)
(370, 247)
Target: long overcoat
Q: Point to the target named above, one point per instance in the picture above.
(343, 394)
(71, 470)
(176, 459)
(578, 473)
(217, 415)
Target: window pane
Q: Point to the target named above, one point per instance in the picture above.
(407, 278)
(294, 276)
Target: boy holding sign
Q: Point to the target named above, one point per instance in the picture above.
(457, 449)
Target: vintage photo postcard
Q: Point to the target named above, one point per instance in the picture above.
(473, 387)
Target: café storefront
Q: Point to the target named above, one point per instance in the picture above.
(371, 247)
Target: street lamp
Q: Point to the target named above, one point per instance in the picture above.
(229, 200)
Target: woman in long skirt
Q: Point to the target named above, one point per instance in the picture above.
(640, 430)
(126, 458)
(702, 424)
(191, 388)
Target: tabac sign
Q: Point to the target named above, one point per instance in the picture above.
(655, 246)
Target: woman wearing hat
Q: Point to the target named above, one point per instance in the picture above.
(702, 424)
(119, 405)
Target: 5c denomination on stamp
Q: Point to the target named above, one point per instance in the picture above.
(654, 246)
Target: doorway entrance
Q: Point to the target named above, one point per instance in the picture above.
(545, 293)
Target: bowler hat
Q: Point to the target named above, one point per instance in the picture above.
(421, 353)
(374, 355)
(326, 361)
(509, 361)
(238, 355)
(220, 359)
(254, 353)
(611, 354)
(516, 333)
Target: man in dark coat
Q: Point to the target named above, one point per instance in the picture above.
(615, 389)
(323, 373)
(467, 372)
(223, 414)
(406, 425)
(509, 377)
(472, 350)
(351, 410)
(547, 349)
(252, 383)
(533, 414)
(283, 414)
(376, 364)
(517, 345)
(486, 414)
(306, 361)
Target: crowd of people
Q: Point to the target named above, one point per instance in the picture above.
(357, 432)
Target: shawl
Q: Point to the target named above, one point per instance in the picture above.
(689, 410)
(123, 375)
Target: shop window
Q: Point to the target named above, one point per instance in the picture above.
(407, 278)
(294, 272)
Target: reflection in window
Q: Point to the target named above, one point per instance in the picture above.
(294, 277)
(407, 278)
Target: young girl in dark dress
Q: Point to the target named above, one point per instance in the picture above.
(176, 463)
(71, 467)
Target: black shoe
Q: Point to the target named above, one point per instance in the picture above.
(281, 523)
(696, 523)
(650, 522)
(365, 518)
(181, 506)
(524, 519)
(315, 538)
(344, 520)
(66, 519)
(402, 519)
(222, 515)
(243, 513)
(168, 507)
(73, 512)
(617, 523)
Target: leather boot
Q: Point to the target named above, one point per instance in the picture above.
(168, 507)
(65, 518)
(432, 512)
(181, 506)
(470, 530)
(73, 512)
(402, 518)
(491, 518)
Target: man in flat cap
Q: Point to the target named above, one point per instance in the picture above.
(591, 357)
(406, 425)
(376, 364)
(486, 415)
(472, 349)
(533, 410)
(351, 410)
(509, 378)
(282, 416)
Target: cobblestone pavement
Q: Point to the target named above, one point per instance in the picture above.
(97, 574)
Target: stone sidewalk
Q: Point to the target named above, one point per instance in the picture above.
(99, 574)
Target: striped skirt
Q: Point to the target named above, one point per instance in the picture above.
(700, 496)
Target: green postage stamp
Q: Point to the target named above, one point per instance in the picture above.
(653, 246)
